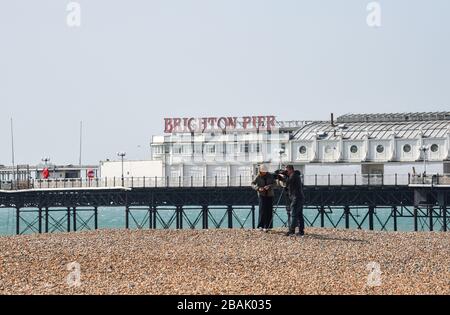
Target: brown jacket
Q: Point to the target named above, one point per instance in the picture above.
(262, 181)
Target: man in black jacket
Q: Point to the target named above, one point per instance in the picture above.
(294, 187)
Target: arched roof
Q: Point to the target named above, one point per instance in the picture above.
(378, 126)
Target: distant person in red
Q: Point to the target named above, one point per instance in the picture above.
(45, 173)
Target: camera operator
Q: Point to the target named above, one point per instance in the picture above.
(293, 182)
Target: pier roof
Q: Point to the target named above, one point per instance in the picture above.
(379, 126)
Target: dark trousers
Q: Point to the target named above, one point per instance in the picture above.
(265, 212)
(296, 208)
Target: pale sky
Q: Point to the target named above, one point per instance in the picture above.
(134, 62)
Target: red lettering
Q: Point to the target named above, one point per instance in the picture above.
(189, 124)
(270, 122)
(260, 121)
(168, 127)
(254, 118)
(176, 124)
(222, 123)
(245, 121)
(232, 122)
(185, 124)
(212, 122)
(172, 125)
(204, 124)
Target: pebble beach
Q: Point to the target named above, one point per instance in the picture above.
(223, 261)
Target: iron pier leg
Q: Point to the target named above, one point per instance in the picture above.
(347, 217)
(444, 219)
(253, 217)
(322, 216)
(96, 218)
(394, 212)
(371, 211)
(17, 220)
(69, 218)
(205, 217)
(40, 220)
(74, 219)
(430, 213)
(180, 217)
(150, 217)
(230, 216)
(46, 219)
(415, 219)
(127, 217)
(177, 217)
(155, 210)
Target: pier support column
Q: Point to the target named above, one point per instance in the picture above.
(430, 215)
(17, 220)
(179, 217)
(40, 220)
(150, 217)
(322, 216)
(444, 217)
(394, 215)
(205, 217)
(347, 216)
(46, 219)
(230, 216)
(96, 218)
(155, 211)
(253, 217)
(371, 212)
(127, 217)
(415, 219)
(74, 220)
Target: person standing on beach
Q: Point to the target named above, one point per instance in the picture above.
(264, 184)
(294, 185)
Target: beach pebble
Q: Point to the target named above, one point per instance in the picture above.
(226, 261)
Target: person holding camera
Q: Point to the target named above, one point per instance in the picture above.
(292, 181)
(264, 184)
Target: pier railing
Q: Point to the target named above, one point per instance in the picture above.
(226, 181)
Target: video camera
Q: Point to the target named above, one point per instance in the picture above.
(278, 174)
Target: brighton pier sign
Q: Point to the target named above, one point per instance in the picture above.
(210, 124)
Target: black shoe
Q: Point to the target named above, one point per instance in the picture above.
(300, 234)
(289, 233)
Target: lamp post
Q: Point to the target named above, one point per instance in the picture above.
(45, 160)
(424, 149)
(122, 155)
(281, 152)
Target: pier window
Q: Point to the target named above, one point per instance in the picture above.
(158, 149)
(380, 148)
(211, 149)
(302, 150)
(406, 148)
(198, 148)
(177, 149)
(354, 149)
(434, 148)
